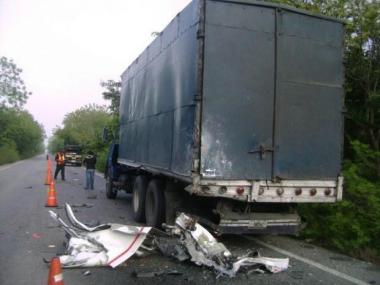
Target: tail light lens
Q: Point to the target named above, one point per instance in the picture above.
(240, 190)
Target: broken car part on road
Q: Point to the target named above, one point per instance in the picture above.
(112, 244)
(107, 244)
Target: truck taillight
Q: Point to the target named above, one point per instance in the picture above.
(222, 189)
(298, 191)
(240, 190)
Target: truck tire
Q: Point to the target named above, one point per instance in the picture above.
(174, 203)
(138, 198)
(155, 204)
(111, 192)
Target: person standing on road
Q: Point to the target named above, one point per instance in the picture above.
(60, 167)
(90, 162)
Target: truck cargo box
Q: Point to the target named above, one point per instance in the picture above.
(239, 94)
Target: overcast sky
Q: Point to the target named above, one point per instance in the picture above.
(66, 48)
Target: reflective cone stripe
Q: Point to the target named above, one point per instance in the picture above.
(55, 273)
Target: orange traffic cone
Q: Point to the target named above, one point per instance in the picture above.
(55, 273)
(52, 196)
(48, 178)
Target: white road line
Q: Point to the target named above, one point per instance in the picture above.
(310, 262)
(10, 165)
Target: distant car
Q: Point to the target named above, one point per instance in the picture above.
(73, 154)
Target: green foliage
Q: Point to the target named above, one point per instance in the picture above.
(112, 93)
(352, 225)
(8, 153)
(84, 127)
(101, 159)
(13, 92)
(55, 144)
(20, 134)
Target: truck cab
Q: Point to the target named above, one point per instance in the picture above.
(73, 155)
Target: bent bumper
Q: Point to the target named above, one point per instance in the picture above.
(262, 191)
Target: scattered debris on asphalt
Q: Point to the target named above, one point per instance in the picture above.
(86, 273)
(112, 244)
(155, 273)
(108, 244)
(74, 221)
(84, 205)
(36, 235)
(204, 249)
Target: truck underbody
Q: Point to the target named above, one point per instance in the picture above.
(224, 206)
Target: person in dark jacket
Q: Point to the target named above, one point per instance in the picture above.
(90, 162)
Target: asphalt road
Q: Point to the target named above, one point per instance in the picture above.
(28, 234)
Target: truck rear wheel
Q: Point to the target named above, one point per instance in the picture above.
(155, 204)
(138, 200)
(111, 192)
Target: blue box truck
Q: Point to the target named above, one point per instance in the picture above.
(233, 113)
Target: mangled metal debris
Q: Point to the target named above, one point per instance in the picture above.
(108, 244)
(204, 249)
(112, 244)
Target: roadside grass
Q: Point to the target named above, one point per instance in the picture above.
(351, 226)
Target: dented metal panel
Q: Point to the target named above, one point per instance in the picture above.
(157, 100)
(237, 90)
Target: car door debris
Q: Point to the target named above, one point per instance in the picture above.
(107, 244)
(112, 244)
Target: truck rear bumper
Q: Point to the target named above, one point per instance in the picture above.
(262, 223)
(285, 191)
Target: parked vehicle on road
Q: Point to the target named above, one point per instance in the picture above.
(73, 155)
(234, 113)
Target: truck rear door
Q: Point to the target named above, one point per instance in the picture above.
(309, 97)
(272, 94)
(238, 91)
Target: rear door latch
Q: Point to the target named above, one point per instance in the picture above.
(261, 151)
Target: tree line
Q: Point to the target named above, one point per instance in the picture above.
(84, 127)
(21, 136)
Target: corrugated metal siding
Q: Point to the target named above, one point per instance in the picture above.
(157, 100)
(272, 80)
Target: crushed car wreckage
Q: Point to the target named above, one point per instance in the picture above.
(112, 244)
